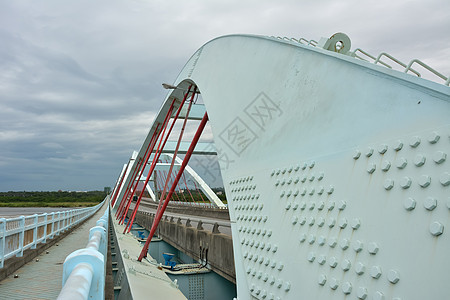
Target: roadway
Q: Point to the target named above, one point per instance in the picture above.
(208, 223)
(11, 212)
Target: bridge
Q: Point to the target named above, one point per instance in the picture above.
(335, 170)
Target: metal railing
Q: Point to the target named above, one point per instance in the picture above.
(84, 269)
(20, 233)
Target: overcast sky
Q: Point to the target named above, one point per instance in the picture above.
(80, 81)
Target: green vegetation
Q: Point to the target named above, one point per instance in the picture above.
(50, 199)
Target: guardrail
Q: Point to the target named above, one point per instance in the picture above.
(21, 233)
(84, 270)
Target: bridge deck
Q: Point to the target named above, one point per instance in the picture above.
(43, 279)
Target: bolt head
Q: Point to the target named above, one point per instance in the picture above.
(272, 280)
(311, 177)
(356, 154)
(343, 223)
(356, 223)
(373, 248)
(358, 246)
(321, 259)
(320, 222)
(330, 205)
(311, 191)
(342, 205)
(346, 265)
(320, 191)
(369, 152)
(321, 205)
(360, 268)
(434, 137)
(436, 228)
(331, 222)
(445, 179)
(378, 296)
(393, 276)
(287, 286)
(332, 242)
(334, 283)
(311, 221)
(321, 240)
(388, 184)
(439, 157)
(344, 244)
(294, 220)
(347, 288)
(302, 221)
(322, 279)
(424, 181)
(320, 176)
(385, 166)
(402, 162)
(430, 203)
(419, 160)
(405, 182)
(312, 164)
(311, 256)
(382, 148)
(375, 272)
(409, 203)
(414, 141)
(333, 262)
(280, 266)
(265, 277)
(279, 283)
(330, 190)
(311, 239)
(372, 167)
(361, 293)
(398, 145)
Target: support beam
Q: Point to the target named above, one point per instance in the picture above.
(203, 148)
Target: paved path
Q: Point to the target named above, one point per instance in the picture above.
(11, 212)
(43, 279)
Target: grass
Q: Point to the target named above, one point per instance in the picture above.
(47, 204)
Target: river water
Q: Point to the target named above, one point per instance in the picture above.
(11, 212)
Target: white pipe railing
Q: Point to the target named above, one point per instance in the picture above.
(20, 233)
(84, 270)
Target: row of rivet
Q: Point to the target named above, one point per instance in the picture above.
(295, 168)
(362, 292)
(249, 206)
(320, 205)
(254, 218)
(423, 181)
(244, 188)
(297, 179)
(304, 191)
(246, 197)
(372, 248)
(262, 293)
(398, 145)
(321, 221)
(258, 231)
(402, 162)
(241, 180)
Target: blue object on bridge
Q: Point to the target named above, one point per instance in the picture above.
(141, 234)
(168, 260)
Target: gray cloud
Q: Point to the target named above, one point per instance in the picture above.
(80, 80)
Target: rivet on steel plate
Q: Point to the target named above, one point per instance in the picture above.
(430, 203)
(296, 192)
(320, 222)
(330, 190)
(360, 268)
(330, 205)
(385, 166)
(284, 171)
(372, 167)
(402, 162)
(434, 137)
(312, 205)
(280, 266)
(311, 177)
(424, 181)
(311, 256)
(302, 238)
(311, 239)
(382, 149)
(311, 192)
(333, 262)
(296, 180)
(445, 179)
(373, 248)
(358, 246)
(302, 220)
(294, 220)
(388, 184)
(409, 203)
(331, 222)
(419, 160)
(356, 154)
(303, 193)
(320, 176)
(320, 190)
(356, 223)
(342, 205)
(287, 286)
(303, 179)
(436, 228)
(322, 279)
(439, 157)
(375, 272)
(344, 243)
(297, 167)
(334, 283)
(320, 205)
(378, 296)
(288, 206)
(304, 165)
(346, 265)
(311, 221)
(369, 152)
(405, 182)
(312, 164)
(321, 259)
(393, 276)
(290, 170)
(332, 242)
(398, 145)
(321, 240)
(343, 223)
(361, 293)
(414, 141)
(347, 288)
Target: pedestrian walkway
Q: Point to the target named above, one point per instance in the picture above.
(42, 278)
